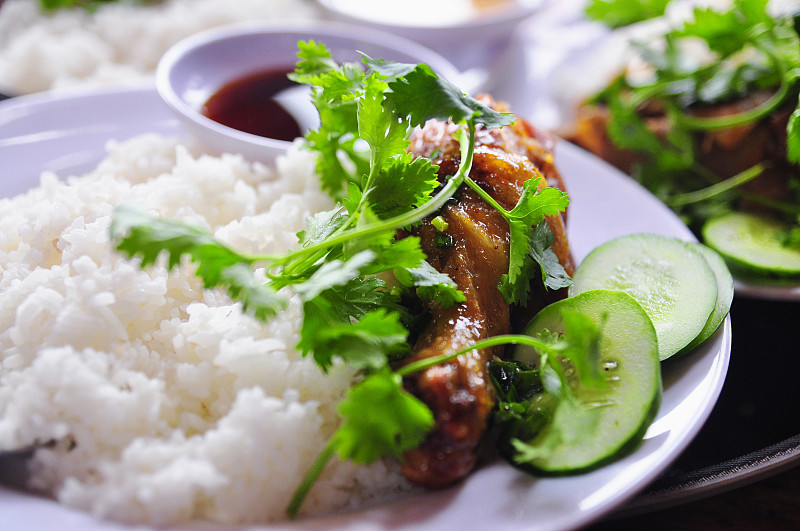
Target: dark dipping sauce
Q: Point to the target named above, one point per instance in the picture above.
(248, 104)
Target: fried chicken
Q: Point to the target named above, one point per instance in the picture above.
(460, 393)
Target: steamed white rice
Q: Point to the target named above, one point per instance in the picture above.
(170, 403)
(119, 41)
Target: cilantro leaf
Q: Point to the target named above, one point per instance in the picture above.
(553, 274)
(405, 253)
(514, 285)
(516, 292)
(423, 95)
(140, 234)
(388, 69)
(403, 182)
(314, 60)
(331, 170)
(535, 203)
(341, 87)
(255, 296)
(364, 344)
(721, 30)
(137, 233)
(367, 432)
(431, 285)
(380, 128)
(359, 297)
(321, 226)
(333, 273)
(540, 257)
(531, 209)
(793, 137)
(357, 321)
(618, 13)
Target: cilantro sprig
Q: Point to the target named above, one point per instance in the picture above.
(567, 375)
(364, 408)
(748, 50)
(350, 314)
(530, 238)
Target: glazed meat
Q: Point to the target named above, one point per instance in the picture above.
(460, 393)
(724, 152)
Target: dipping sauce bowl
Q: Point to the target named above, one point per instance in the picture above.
(197, 68)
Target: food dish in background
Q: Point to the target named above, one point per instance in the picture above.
(118, 41)
(564, 60)
(470, 33)
(691, 384)
(123, 41)
(442, 14)
(707, 122)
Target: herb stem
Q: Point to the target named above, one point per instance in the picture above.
(507, 339)
(751, 115)
(486, 197)
(780, 206)
(401, 220)
(311, 477)
(719, 188)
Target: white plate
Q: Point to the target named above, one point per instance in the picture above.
(67, 133)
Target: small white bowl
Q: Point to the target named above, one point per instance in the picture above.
(198, 66)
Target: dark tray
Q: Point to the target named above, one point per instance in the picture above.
(754, 429)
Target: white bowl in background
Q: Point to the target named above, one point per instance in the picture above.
(198, 66)
(470, 33)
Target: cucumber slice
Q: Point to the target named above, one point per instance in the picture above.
(583, 438)
(670, 279)
(724, 295)
(750, 242)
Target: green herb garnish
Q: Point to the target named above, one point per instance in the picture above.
(350, 315)
(744, 49)
(618, 13)
(88, 5)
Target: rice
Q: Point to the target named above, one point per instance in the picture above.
(169, 403)
(119, 41)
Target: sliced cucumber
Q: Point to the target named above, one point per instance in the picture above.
(582, 437)
(724, 295)
(750, 242)
(669, 278)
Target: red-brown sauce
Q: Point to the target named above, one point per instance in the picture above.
(248, 104)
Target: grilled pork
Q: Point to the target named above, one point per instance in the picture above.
(460, 393)
(724, 152)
